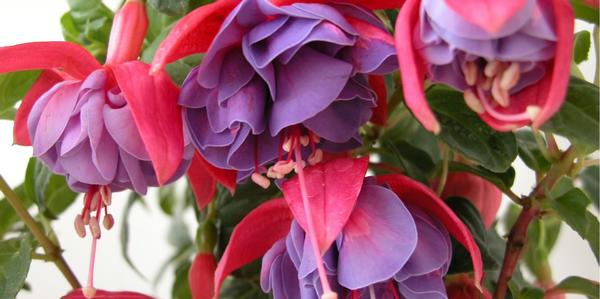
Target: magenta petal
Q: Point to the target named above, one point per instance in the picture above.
(378, 239)
(54, 118)
(317, 87)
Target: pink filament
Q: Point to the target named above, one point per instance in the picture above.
(309, 220)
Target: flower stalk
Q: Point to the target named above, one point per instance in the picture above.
(531, 209)
(52, 251)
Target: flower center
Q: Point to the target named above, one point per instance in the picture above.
(96, 199)
(291, 138)
(494, 79)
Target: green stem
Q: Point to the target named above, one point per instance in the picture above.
(444, 175)
(52, 251)
(596, 37)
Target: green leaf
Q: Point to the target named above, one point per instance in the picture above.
(582, 46)
(531, 293)
(415, 162)
(585, 12)
(8, 217)
(542, 236)
(166, 199)
(15, 258)
(88, 23)
(235, 288)
(13, 87)
(502, 180)
(461, 261)
(49, 191)
(181, 286)
(124, 235)
(572, 207)
(530, 152)
(578, 285)
(177, 7)
(465, 132)
(578, 117)
(8, 114)
(589, 179)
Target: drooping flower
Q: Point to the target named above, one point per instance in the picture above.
(386, 248)
(389, 238)
(276, 77)
(106, 128)
(485, 196)
(510, 58)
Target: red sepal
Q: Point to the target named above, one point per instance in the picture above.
(333, 189)
(412, 67)
(415, 193)
(66, 57)
(380, 113)
(193, 33)
(225, 177)
(253, 237)
(153, 104)
(202, 275)
(45, 81)
(202, 182)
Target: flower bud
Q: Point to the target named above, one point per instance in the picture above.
(128, 32)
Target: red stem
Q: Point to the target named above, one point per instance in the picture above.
(514, 247)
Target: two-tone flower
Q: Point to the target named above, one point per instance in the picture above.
(278, 75)
(387, 235)
(511, 59)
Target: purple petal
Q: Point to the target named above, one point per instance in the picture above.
(430, 286)
(378, 239)
(80, 166)
(134, 172)
(235, 74)
(54, 117)
(247, 106)
(304, 90)
(334, 124)
(121, 126)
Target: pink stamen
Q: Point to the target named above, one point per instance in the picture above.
(310, 223)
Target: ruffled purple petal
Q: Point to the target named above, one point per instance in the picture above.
(378, 239)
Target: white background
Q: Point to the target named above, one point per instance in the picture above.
(38, 20)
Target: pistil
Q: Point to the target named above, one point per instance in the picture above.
(96, 199)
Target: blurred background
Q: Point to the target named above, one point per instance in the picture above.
(38, 20)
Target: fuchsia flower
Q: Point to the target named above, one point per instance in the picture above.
(374, 235)
(106, 128)
(277, 71)
(510, 58)
(485, 196)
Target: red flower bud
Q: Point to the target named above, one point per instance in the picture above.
(201, 276)
(128, 32)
